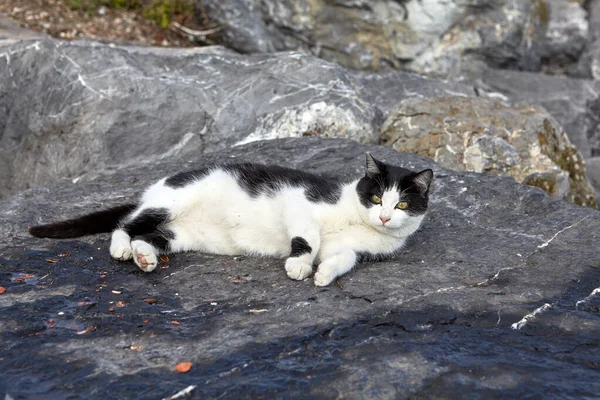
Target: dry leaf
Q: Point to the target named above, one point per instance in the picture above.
(150, 301)
(52, 260)
(120, 304)
(175, 323)
(183, 367)
(2, 289)
(111, 309)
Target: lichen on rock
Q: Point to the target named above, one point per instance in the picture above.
(482, 135)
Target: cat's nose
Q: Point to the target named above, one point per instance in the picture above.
(384, 219)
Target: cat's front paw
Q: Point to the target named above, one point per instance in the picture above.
(330, 269)
(297, 269)
(144, 255)
(324, 276)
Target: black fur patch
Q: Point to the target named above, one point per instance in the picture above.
(183, 179)
(98, 222)
(365, 256)
(257, 179)
(150, 226)
(389, 177)
(159, 239)
(299, 247)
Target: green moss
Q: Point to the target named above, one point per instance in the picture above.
(160, 11)
(541, 11)
(164, 11)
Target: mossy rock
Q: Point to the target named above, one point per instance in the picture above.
(482, 135)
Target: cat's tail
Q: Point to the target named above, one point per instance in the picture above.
(90, 224)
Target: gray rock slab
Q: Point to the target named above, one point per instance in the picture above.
(494, 297)
(67, 108)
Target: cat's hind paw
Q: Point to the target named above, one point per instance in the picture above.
(144, 255)
(120, 246)
(297, 269)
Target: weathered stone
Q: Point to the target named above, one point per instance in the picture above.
(429, 36)
(566, 35)
(358, 34)
(70, 108)
(502, 34)
(574, 103)
(588, 66)
(481, 135)
(461, 310)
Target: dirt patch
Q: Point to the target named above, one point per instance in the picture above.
(62, 19)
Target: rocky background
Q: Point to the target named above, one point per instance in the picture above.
(498, 294)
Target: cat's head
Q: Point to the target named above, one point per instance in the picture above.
(393, 196)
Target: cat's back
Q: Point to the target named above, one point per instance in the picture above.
(254, 180)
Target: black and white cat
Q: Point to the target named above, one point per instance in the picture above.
(265, 210)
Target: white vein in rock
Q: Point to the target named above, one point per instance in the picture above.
(561, 231)
(529, 317)
(594, 293)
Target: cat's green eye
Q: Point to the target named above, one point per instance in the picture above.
(402, 205)
(376, 199)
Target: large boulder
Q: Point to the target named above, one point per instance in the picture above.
(482, 135)
(496, 296)
(70, 108)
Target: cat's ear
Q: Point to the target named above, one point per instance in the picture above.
(423, 180)
(373, 167)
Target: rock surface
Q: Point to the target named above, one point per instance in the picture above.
(9, 32)
(70, 108)
(496, 297)
(566, 34)
(575, 103)
(482, 135)
(593, 172)
(428, 36)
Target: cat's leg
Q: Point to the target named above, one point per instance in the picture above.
(336, 260)
(151, 236)
(305, 244)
